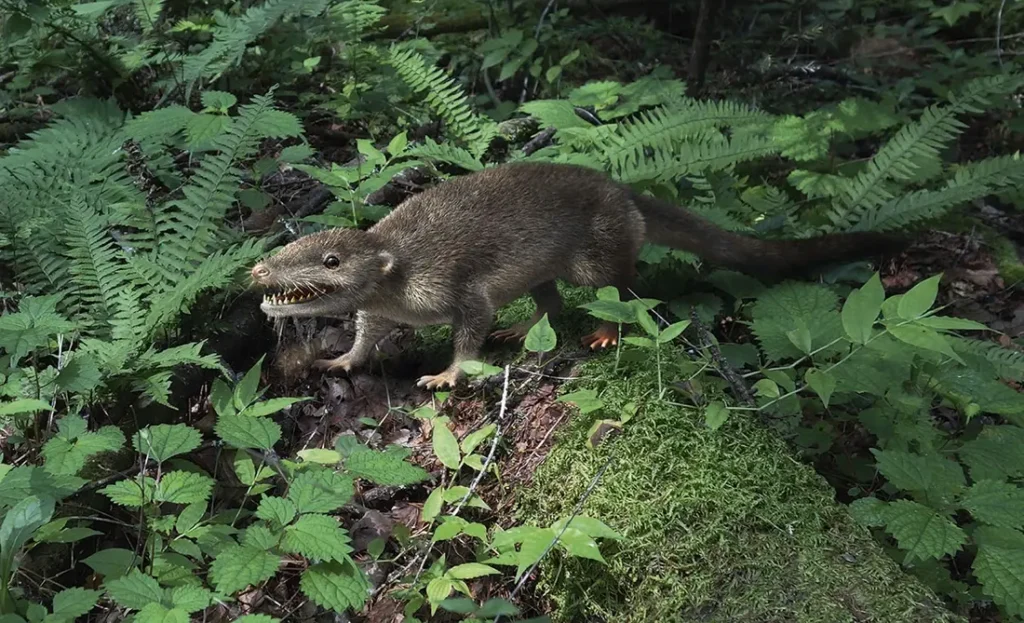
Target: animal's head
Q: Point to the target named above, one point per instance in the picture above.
(325, 273)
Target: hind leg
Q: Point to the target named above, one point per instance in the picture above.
(548, 301)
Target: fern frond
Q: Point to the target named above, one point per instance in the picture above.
(148, 13)
(188, 228)
(234, 35)
(128, 323)
(915, 142)
(445, 97)
(970, 182)
(1008, 363)
(444, 152)
(664, 128)
(94, 264)
(215, 271)
(353, 19)
(711, 151)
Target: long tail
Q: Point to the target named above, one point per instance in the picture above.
(672, 226)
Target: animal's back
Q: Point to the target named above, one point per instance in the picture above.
(515, 225)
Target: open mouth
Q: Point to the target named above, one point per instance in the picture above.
(295, 296)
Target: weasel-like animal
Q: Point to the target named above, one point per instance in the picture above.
(457, 252)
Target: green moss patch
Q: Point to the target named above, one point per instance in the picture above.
(718, 526)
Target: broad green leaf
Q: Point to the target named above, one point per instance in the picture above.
(318, 537)
(259, 536)
(112, 563)
(474, 439)
(219, 100)
(999, 567)
(923, 337)
(479, 368)
(673, 331)
(801, 337)
(237, 567)
(70, 535)
(323, 456)
(996, 503)
(19, 524)
(995, 454)
(578, 544)
(450, 528)
(388, 468)
(22, 405)
(541, 337)
(921, 531)
(397, 144)
(71, 603)
(432, 505)
(913, 472)
(586, 400)
(612, 311)
(446, 447)
(191, 598)
(948, 323)
(135, 590)
(588, 525)
(275, 510)
(919, 299)
(190, 516)
(715, 414)
(868, 511)
(823, 383)
(158, 613)
(204, 127)
(269, 407)
(247, 389)
(335, 586)
(470, 570)
(767, 388)
(647, 323)
(320, 491)
(180, 487)
(533, 548)
(861, 309)
(780, 309)
(438, 589)
(66, 453)
(242, 431)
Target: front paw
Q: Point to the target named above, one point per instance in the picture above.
(448, 378)
(344, 362)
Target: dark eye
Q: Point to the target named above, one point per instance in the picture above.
(332, 262)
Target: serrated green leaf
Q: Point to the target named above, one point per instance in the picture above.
(715, 414)
(191, 598)
(190, 516)
(242, 431)
(541, 337)
(237, 567)
(204, 127)
(320, 491)
(131, 493)
(800, 337)
(673, 331)
(336, 586)
(277, 511)
(269, 407)
(999, 567)
(999, 504)
(318, 537)
(388, 468)
(135, 590)
(913, 472)
(180, 487)
(861, 309)
(158, 613)
(995, 453)
(259, 536)
(446, 447)
(921, 531)
(164, 441)
(590, 526)
(919, 299)
(868, 511)
(23, 405)
(779, 309)
(219, 100)
(579, 544)
(71, 603)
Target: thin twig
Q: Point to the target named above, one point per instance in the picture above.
(999, 32)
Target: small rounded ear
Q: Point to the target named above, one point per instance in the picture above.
(387, 262)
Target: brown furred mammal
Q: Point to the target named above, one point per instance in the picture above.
(457, 252)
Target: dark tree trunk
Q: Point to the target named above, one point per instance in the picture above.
(701, 49)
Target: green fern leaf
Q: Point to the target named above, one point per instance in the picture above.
(445, 97)
(444, 152)
(780, 309)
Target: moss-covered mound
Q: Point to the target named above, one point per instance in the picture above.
(718, 526)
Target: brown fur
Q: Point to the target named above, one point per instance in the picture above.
(459, 251)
